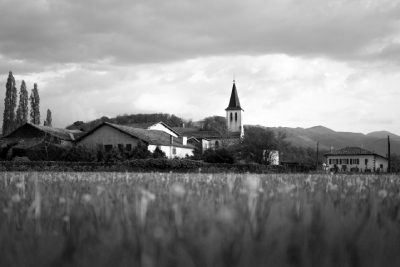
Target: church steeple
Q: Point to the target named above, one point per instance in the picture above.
(234, 103)
(234, 118)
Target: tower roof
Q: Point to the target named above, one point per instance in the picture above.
(234, 103)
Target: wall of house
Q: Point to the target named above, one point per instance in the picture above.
(168, 150)
(234, 126)
(107, 135)
(373, 162)
(160, 127)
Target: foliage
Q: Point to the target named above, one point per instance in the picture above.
(10, 103)
(217, 123)
(35, 106)
(170, 120)
(155, 219)
(221, 155)
(79, 154)
(22, 110)
(257, 142)
(395, 162)
(159, 154)
(48, 121)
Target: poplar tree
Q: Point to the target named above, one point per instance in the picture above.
(48, 120)
(22, 111)
(35, 105)
(10, 102)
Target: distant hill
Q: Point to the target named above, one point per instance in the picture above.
(327, 138)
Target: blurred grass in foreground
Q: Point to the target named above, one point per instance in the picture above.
(154, 219)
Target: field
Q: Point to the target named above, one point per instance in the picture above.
(167, 219)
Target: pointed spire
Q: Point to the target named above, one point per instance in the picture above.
(234, 103)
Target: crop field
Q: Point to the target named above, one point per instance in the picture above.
(168, 219)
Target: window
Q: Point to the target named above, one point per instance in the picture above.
(381, 166)
(366, 161)
(235, 116)
(231, 117)
(128, 147)
(174, 150)
(217, 143)
(330, 161)
(354, 161)
(108, 148)
(120, 146)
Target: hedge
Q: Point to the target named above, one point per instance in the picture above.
(138, 165)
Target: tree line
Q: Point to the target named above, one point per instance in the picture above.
(14, 116)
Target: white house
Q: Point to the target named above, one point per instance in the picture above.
(356, 159)
(119, 136)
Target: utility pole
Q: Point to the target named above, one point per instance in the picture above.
(317, 157)
(389, 167)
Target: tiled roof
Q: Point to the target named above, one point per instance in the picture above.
(147, 125)
(212, 134)
(234, 103)
(61, 133)
(152, 137)
(351, 151)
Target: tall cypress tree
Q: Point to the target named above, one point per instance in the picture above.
(35, 105)
(48, 120)
(22, 111)
(10, 102)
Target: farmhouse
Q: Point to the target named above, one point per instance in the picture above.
(118, 136)
(28, 138)
(221, 137)
(356, 159)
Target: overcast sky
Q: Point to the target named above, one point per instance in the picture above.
(297, 63)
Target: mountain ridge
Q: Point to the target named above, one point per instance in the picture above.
(329, 139)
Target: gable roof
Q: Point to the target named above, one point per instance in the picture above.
(352, 151)
(212, 134)
(64, 134)
(150, 137)
(147, 125)
(234, 103)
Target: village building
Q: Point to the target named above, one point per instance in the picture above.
(125, 137)
(218, 138)
(356, 159)
(28, 139)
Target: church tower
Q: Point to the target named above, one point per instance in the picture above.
(234, 120)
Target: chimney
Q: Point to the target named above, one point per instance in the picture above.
(184, 140)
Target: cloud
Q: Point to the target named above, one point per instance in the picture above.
(132, 32)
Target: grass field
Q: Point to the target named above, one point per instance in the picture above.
(154, 219)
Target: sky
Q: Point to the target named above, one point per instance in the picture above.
(296, 63)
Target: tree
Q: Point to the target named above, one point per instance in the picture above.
(35, 105)
(10, 103)
(22, 110)
(257, 141)
(48, 120)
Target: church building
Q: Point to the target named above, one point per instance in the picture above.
(216, 138)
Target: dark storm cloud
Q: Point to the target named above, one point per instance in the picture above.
(132, 32)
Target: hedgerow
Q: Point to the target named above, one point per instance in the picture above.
(139, 165)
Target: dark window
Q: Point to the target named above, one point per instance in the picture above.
(231, 116)
(381, 166)
(174, 150)
(128, 147)
(120, 146)
(366, 161)
(330, 161)
(235, 116)
(108, 148)
(217, 143)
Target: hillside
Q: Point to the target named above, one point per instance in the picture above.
(327, 138)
